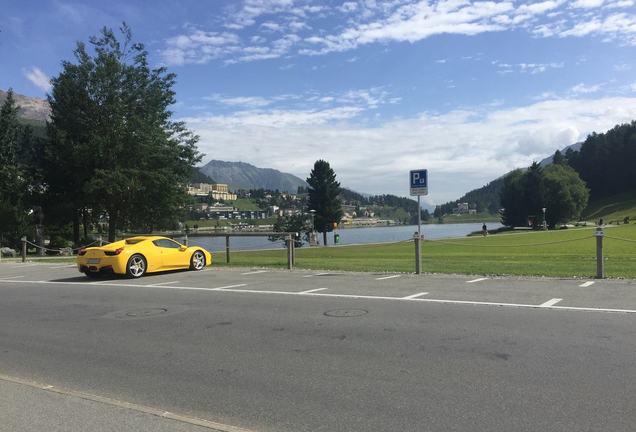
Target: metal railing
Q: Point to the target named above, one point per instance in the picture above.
(288, 237)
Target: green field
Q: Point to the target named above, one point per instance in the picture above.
(469, 218)
(613, 209)
(564, 253)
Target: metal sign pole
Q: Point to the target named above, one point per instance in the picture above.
(418, 253)
(418, 182)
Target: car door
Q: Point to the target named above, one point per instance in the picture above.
(171, 254)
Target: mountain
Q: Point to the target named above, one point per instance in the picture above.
(30, 108)
(241, 175)
(574, 147)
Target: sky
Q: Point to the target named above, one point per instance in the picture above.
(466, 89)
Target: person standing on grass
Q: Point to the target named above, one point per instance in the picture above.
(484, 230)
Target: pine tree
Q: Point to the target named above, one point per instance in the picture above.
(324, 193)
(13, 187)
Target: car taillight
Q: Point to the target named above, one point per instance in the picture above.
(115, 252)
(81, 252)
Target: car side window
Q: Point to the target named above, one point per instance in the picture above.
(165, 243)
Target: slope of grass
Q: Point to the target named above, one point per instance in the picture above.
(613, 209)
(564, 253)
(469, 218)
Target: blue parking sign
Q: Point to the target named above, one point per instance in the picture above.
(418, 180)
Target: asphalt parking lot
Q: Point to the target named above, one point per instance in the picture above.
(274, 350)
(583, 295)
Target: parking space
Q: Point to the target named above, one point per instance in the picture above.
(557, 294)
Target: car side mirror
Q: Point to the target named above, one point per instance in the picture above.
(183, 248)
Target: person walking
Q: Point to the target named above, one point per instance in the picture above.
(484, 230)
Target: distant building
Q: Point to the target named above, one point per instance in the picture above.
(218, 191)
(220, 211)
(462, 208)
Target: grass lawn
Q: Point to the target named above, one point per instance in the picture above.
(612, 209)
(469, 218)
(564, 253)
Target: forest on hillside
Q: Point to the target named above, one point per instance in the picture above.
(605, 162)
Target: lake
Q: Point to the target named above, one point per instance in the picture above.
(350, 236)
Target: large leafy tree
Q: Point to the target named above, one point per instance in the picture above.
(558, 188)
(13, 184)
(566, 194)
(324, 192)
(114, 146)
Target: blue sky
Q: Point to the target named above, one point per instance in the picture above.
(467, 89)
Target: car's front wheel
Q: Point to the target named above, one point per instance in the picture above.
(136, 266)
(197, 262)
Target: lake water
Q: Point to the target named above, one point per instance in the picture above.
(350, 236)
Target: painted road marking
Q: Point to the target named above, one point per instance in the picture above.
(388, 277)
(12, 277)
(24, 265)
(551, 302)
(476, 280)
(415, 295)
(255, 272)
(230, 288)
(64, 266)
(312, 290)
(586, 284)
(164, 283)
(316, 274)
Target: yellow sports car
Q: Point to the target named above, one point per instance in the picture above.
(137, 256)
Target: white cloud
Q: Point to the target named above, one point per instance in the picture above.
(416, 21)
(240, 101)
(587, 4)
(620, 26)
(38, 78)
(585, 89)
(348, 7)
(531, 68)
(539, 7)
(633, 86)
(199, 47)
(462, 149)
(354, 24)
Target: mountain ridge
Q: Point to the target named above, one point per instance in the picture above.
(243, 175)
(31, 108)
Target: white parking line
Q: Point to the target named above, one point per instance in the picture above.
(24, 265)
(415, 296)
(312, 290)
(164, 283)
(12, 277)
(388, 277)
(551, 302)
(64, 266)
(231, 288)
(316, 274)
(476, 280)
(255, 272)
(586, 284)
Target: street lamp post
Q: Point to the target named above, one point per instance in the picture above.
(545, 223)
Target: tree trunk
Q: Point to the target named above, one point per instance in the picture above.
(112, 227)
(324, 238)
(85, 223)
(76, 228)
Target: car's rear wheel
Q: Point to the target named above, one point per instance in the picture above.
(197, 262)
(136, 267)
